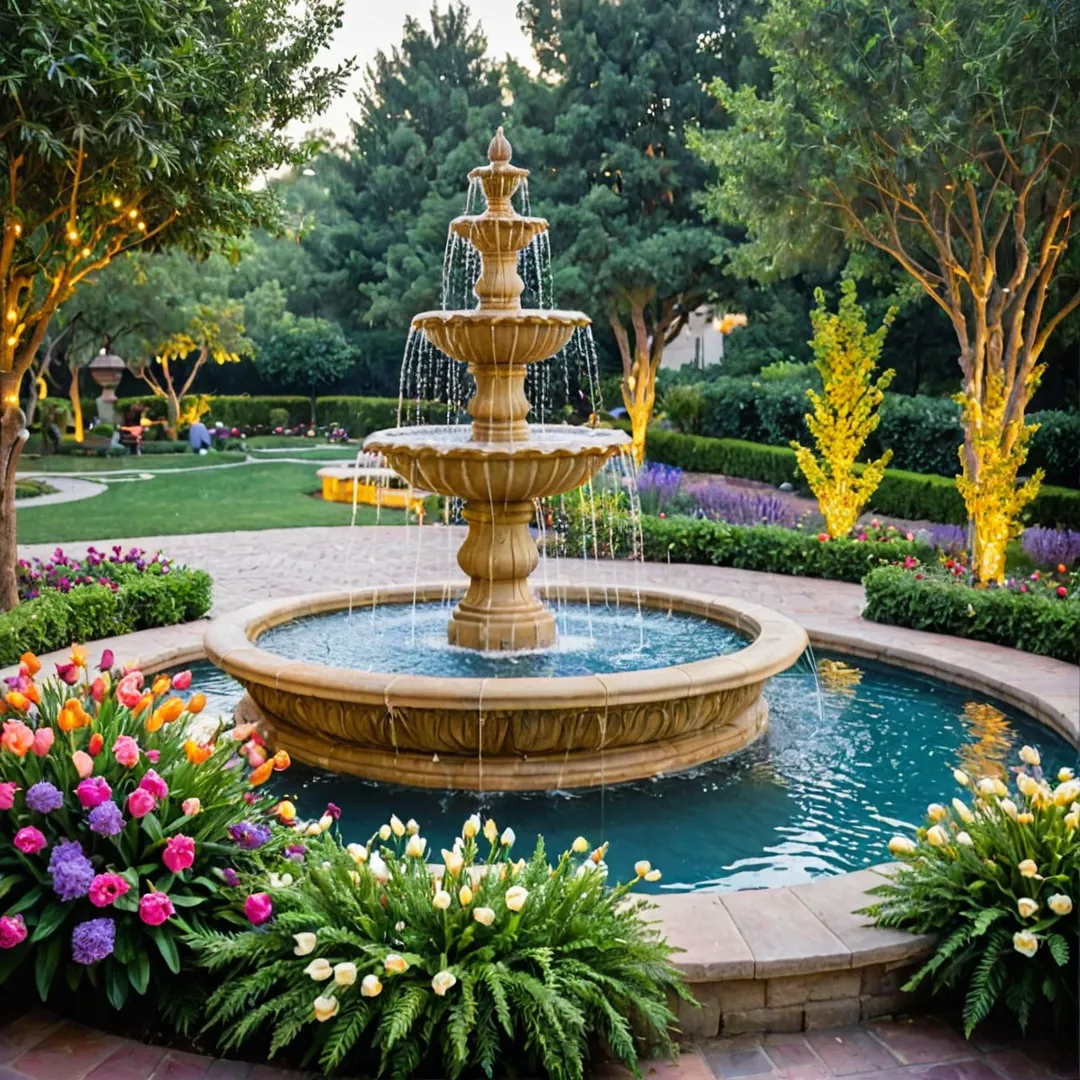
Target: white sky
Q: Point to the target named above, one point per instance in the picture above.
(371, 25)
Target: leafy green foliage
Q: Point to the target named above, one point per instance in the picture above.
(175, 847)
(997, 880)
(374, 961)
(1036, 623)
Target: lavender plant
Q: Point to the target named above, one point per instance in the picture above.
(1052, 547)
(719, 503)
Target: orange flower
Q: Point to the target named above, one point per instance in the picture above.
(281, 760)
(17, 737)
(197, 753)
(73, 716)
(161, 684)
(172, 709)
(242, 732)
(33, 664)
(196, 704)
(262, 773)
(17, 700)
(155, 721)
(143, 703)
(78, 656)
(97, 741)
(31, 692)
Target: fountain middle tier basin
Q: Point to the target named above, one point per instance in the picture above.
(491, 729)
(500, 338)
(446, 459)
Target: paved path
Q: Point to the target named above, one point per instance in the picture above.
(68, 489)
(251, 566)
(39, 1046)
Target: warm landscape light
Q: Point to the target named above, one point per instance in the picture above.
(12, 315)
(18, 229)
(117, 203)
(142, 226)
(133, 213)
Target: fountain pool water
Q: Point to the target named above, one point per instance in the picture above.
(820, 793)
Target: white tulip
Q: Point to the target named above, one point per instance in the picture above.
(326, 1008)
(1009, 807)
(962, 811)
(384, 832)
(411, 827)
(936, 836)
(370, 986)
(397, 827)
(312, 829)
(1059, 904)
(1067, 792)
(1030, 756)
(1026, 906)
(471, 826)
(901, 845)
(1025, 942)
(305, 944)
(935, 811)
(345, 974)
(454, 862)
(325, 822)
(441, 900)
(515, 897)
(653, 875)
(642, 867)
(320, 970)
(416, 847)
(1064, 775)
(964, 839)
(358, 852)
(396, 964)
(484, 915)
(986, 787)
(1028, 868)
(379, 868)
(580, 846)
(280, 881)
(507, 839)
(961, 777)
(445, 980)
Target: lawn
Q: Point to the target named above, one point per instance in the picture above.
(77, 463)
(270, 496)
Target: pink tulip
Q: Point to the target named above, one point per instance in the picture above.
(107, 661)
(155, 908)
(181, 680)
(191, 806)
(258, 907)
(153, 783)
(106, 889)
(43, 740)
(93, 792)
(140, 802)
(128, 689)
(97, 690)
(12, 931)
(126, 751)
(30, 840)
(7, 794)
(69, 673)
(83, 762)
(153, 756)
(179, 853)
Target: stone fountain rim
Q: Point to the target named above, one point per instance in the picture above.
(591, 441)
(491, 316)
(778, 642)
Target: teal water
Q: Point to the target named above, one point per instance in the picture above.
(819, 794)
(406, 638)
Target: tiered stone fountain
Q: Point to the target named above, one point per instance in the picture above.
(504, 733)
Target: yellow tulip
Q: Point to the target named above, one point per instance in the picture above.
(370, 986)
(326, 1008)
(1030, 756)
(936, 836)
(1026, 906)
(396, 964)
(1028, 868)
(1025, 942)
(1059, 904)
(580, 846)
(345, 974)
(935, 811)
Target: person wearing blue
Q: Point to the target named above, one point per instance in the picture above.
(199, 437)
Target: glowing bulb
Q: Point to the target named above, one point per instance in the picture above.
(117, 203)
(18, 229)
(142, 226)
(133, 213)
(12, 341)
(72, 236)
(11, 399)
(12, 315)
(86, 253)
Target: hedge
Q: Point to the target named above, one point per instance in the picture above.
(908, 495)
(768, 548)
(1031, 622)
(55, 619)
(924, 433)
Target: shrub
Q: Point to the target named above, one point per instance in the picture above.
(731, 457)
(114, 828)
(493, 965)
(683, 405)
(84, 600)
(279, 418)
(1055, 447)
(999, 885)
(1034, 621)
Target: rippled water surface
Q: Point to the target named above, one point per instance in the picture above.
(819, 794)
(401, 638)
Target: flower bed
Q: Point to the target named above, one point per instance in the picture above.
(105, 594)
(997, 877)
(1040, 614)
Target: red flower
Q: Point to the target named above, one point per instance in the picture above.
(1062, 591)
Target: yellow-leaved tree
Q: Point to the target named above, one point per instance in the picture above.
(846, 411)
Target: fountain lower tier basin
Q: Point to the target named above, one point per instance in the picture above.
(499, 338)
(446, 459)
(488, 732)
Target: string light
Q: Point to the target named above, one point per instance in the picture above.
(86, 253)
(12, 315)
(18, 229)
(142, 226)
(73, 236)
(117, 203)
(12, 341)
(11, 399)
(133, 213)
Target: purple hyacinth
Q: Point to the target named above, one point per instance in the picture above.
(296, 852)
(249, 836)
(1049, 547)
(93, 940)
(948, 538)
(72, 872)
(230, 877)
(720, 503)
(44, 797)
(106, 819)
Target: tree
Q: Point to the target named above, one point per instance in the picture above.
(602, 128)
(845, 412)
(125, 124)
(943, 135)
(302, 352)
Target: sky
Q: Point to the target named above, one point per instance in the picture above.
(371, 25)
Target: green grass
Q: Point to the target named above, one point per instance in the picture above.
(72, 463)
(254, 497)
(282, 442)
(313, 454)
(31, 489)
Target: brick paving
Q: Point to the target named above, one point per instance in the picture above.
(39, 1046)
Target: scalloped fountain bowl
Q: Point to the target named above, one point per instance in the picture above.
(609, 722)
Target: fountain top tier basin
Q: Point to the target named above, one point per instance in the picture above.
(505, 338)
(507, 733)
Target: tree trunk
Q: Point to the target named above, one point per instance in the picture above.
(313, 408)
(13, 436)
(32, 400)
(172, 417)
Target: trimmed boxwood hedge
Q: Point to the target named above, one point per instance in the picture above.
(1031, 622)
(914, 496)
(55, 619)
(769, 548)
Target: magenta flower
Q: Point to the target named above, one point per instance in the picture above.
(155, 908)
(107, 660)
(258, 907)
(140, 802)
(153, 756)
(179, 853)
(126, 751)
(181, 680)
(7, 794)
(12, 931)
(153, 783)
(43, 739)
(105, 889)
(30, 840)
(93, 791)
(69, 673)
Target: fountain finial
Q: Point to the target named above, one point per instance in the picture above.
(499, 149)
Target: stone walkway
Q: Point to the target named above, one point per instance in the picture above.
(252, 566)
(68, 489)
(39, 1046)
